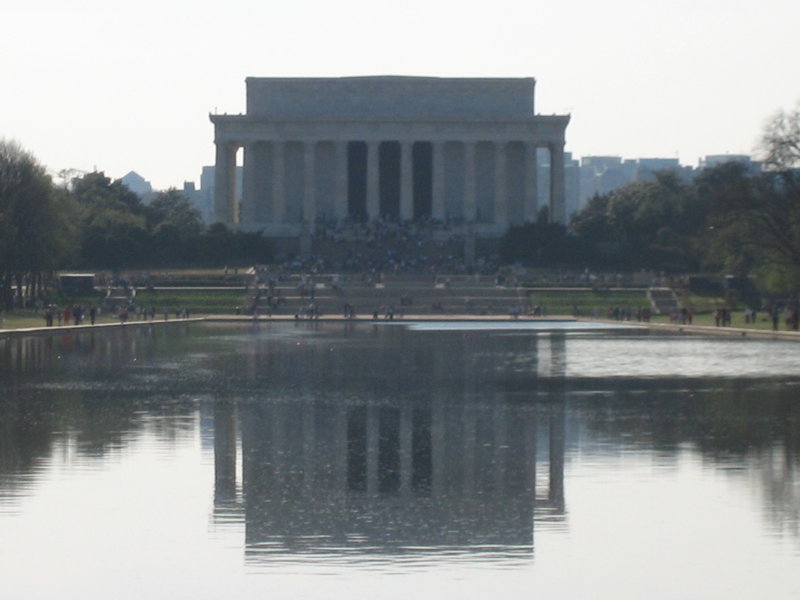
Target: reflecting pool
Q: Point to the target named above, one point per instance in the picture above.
(369, 460)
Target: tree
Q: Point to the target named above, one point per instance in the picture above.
(780, 141)
(780, 193)
(114, 232)
(760, 227)
(37, 225)
(174, 226)
(96, 191)
(540, 244)
(646, 224)
(173, 208)
(220, 245)
(754, 222)
(725, 190)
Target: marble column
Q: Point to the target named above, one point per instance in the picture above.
(279, 457)
(340, 194)
(247, 207)
(406, 450)
(437, 202)
(500, 191)
(339, 458)
(309, 453)
(406, 182)
(439, 464)
(557, 446)
(557, 187)
(468, 449)
(470, 197)
(224, 451)
(499, 448)
(279, 172)
(373, 197)
(531, 208)
(531, 442)
(373, 448)
(309, 195)
(225, 183)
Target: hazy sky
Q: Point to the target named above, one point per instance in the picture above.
(126, 85)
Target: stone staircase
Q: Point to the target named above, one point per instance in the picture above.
(663, 300)
(397, 295)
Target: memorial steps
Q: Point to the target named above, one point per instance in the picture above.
(400, 295)
(663, 300)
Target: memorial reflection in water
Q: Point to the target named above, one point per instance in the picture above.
(188, 460)
(428, 457)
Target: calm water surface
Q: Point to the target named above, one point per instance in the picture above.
(388, 461)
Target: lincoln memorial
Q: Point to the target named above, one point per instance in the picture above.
(356, 149)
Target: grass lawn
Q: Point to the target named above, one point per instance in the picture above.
(564, 302)
(199, 303)
(21, 319)
(223, 301)
(737, 320)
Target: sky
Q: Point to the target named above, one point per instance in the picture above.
(129, 85)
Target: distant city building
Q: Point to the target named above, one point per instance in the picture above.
(604, 174)
(714, 160)
(329, 150)
(601, 175)
(572, 184)
(197, 198)
(138, 185)
(646, 168)
(202, 198)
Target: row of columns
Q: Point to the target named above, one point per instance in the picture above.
(225, 182)
(513, 461)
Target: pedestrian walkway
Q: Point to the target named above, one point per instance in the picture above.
(60, 329)
(712, 330)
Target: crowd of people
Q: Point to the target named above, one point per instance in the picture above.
(377, 230)
(787, 310)
(79, 314)
(422, 246)
(70, 315)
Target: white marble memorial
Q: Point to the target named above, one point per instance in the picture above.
(323, 150)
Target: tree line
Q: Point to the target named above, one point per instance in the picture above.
(118, 230)
(726, 220)
(97, 223)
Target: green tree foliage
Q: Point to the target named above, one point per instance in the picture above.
(113, 223)
(541, 244)
(727, 219)
(37, 225)
(756, 227)
(754, 220)
(647, 224)
(220, 245)
(172, 208)
(96, 191)
(174, 226)
(119, 231)
(723, 190)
